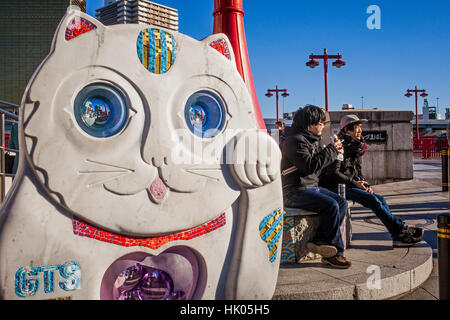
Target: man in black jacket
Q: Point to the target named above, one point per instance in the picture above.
(348, 172)
(301, 165)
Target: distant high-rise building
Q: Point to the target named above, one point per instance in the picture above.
(425, 110)
(138, 11)
(430, 112)
(80, 3)
(26, 32)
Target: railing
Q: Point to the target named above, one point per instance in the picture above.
(7, 120)
(429, 147)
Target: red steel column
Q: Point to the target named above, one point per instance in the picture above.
(325, 66)
(229, 19)
(278, 119)
(417, 118)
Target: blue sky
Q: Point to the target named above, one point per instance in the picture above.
(411, 48)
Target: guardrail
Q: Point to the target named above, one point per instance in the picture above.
(6, 117)
(429, 147)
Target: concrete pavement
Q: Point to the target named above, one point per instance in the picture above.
(379, 271)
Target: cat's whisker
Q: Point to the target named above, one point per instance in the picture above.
(112, 171)
(122, 169)
(103, 181)
(203, 172)
(99, 172)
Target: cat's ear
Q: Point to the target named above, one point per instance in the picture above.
(221, 44)
(73, 25)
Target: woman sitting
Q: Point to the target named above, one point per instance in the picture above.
(348, 172)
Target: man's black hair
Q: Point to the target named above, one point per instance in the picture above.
(308, 115)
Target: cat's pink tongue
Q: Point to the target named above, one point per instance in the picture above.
(158, 190)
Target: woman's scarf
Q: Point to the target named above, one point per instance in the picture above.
(353, 147)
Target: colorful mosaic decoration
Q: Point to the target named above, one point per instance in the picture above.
(85, 230)
(27, 279)
(221, 46)
(78, 26)
(156, 50)
(270, 230)
(288, 247)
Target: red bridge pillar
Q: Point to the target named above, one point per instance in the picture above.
(229, 19)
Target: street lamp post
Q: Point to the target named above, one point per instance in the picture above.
(283, 92)
(313, 63)
(424, 95)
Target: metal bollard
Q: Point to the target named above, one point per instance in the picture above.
(344, 226)
(444, 256)
(445, 182)
(341, 190)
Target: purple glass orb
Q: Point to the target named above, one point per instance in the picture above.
(178, 295)
(133, 294)
(130, 277)
(140, 282)
(156, 285)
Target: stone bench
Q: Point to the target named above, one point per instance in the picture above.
(299, 228)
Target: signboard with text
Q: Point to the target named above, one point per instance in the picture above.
(375, 137)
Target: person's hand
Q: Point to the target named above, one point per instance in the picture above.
(338, 145)
(362, 185)
(368, 187)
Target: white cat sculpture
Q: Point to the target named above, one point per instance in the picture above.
(142, 173)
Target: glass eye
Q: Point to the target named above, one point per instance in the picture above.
(95, 111)
(197, 116)
(205, 114)
(100, 110)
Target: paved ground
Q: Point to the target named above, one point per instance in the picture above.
(402, 273)
(431, 172)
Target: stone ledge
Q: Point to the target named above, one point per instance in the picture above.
(294, 212)
(299, 228)
(374, 115)
(314, 281)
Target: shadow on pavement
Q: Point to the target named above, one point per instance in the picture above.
(371, 247)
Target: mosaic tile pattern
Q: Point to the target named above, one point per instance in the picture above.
(27, 279)
(78, 26)
(156, 50)
(270, 230)
(83, 229)
(288, 247)
(221, 46)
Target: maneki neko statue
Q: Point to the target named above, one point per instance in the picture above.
(142, 173)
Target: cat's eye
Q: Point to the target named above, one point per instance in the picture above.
(205, 114)
(100, 110)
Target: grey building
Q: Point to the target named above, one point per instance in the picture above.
(138, 11)
(26, 32)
